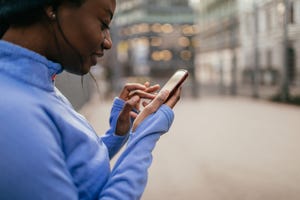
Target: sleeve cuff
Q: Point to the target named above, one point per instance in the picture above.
(160, 121)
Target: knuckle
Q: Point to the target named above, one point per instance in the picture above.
(127, 86)
(127, 106)
(147, 109)
(151, 109)
(160, 99)
(134, 92)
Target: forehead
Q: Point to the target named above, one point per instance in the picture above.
(106, 7)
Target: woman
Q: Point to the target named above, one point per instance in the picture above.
(48, 151)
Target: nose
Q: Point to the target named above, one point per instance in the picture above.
(107, 43)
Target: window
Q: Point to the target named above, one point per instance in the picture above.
(268, 19)
(269, 58)
(291, 13)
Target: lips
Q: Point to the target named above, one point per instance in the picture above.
(98, 54)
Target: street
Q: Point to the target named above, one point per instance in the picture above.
(222, 149)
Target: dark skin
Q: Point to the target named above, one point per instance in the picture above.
(75, 36)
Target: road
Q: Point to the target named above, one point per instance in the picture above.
(223, 149)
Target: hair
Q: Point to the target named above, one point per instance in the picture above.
(26, 12)
(20, 12)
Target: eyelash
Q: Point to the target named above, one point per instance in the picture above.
(104, 26)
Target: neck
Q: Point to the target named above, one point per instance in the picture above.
(35, 37)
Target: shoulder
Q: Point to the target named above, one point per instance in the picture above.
(29, 146)
(22, 109)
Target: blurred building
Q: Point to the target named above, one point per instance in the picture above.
(77, 89)
(251, 43)
(155, 37)
(217, 55)
(265, 34)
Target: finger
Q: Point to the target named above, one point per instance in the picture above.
(123, 123)
(153, 88)
(140, 117)
(152, 107)
(174, 98)
(147, 84)
(145, 103)
(130, 87)
(133, 114)
(160, 98)
(141, 94)
(146, 94)
(137, 105)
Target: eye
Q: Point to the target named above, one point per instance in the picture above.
(104, 26)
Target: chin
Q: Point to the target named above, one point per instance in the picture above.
(79, 70)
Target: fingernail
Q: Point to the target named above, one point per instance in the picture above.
(135, 98)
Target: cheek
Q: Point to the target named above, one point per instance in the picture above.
(91, 39)
(85, 35)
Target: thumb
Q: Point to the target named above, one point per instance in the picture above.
(130, 104)
(123, 123)
(151, 108)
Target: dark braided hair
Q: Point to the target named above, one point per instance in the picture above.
(25, 12)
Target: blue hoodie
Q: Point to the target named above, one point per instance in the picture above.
(49, 151)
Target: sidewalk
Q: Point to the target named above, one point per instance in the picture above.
(223, 149)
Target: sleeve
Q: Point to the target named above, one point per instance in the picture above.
(112, 141)
(129, 175)
(32, 163)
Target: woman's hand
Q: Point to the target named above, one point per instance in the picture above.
(132, 94)
(154, 105)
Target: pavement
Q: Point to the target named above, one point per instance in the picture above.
(222, 149)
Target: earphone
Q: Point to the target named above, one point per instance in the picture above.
(53, 16)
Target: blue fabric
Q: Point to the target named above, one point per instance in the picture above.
(49, 151)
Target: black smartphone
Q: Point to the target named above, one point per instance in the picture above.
(175, 81)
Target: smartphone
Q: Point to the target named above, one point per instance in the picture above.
(175, 81)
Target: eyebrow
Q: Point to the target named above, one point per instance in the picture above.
(110, 13)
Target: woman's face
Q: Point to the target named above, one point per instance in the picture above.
(84, 33)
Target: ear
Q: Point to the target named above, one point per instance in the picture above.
(49, 10)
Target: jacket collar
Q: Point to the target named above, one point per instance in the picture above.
(28, 66)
